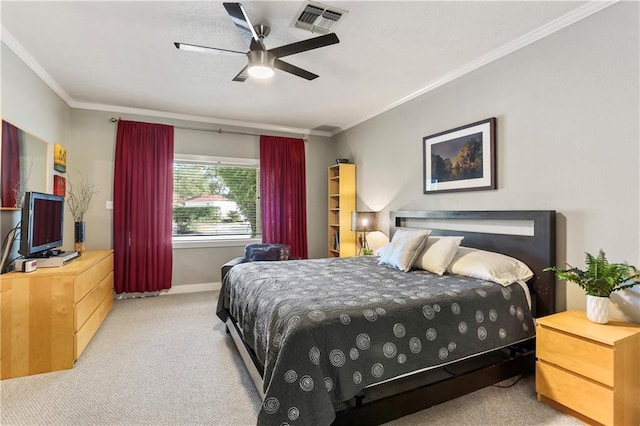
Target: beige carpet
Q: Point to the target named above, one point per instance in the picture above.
(168, 361)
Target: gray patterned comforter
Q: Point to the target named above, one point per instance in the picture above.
(326, 328)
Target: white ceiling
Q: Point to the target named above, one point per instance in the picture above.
(119, 55)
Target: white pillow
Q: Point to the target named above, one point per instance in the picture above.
(488, 265)
(438, 254)
(404, 247)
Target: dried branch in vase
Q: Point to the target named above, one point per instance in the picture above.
(79, 196)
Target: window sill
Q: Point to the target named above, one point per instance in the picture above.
(204, 242)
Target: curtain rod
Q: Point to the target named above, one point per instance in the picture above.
(219, 130)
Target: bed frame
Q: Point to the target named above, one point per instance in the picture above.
(527, 235)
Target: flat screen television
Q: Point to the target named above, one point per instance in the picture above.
(42, 224)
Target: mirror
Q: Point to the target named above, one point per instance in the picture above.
(24, 165)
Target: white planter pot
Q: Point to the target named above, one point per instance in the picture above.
(598, 309)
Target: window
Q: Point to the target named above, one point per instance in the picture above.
(215, 198)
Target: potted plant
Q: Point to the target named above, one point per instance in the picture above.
(599, 280)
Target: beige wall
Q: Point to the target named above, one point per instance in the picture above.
(568, 140)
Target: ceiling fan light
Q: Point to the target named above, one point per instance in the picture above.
(260, 71)
(260, 64)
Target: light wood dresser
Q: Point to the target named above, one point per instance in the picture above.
(587, 370)
(50, 315)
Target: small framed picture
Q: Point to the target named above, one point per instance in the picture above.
(461, 159)
(59, 158)
(59, 185)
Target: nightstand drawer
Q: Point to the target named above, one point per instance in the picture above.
(581, 356)
(584, 396)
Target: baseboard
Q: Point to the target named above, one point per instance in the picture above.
(191, 288)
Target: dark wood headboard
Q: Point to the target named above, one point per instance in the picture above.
(528, 235)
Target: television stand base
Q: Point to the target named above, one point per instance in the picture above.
(56, 261)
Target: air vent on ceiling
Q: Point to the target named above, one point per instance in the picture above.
(318, 18)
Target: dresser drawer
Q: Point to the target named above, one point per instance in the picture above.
(88, 305)
(83, 336)
(86, 281)
(582, 356)
(582, 395)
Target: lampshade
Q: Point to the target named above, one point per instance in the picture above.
(364, 221)
(260, 64)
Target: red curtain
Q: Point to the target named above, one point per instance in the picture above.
(143, 196)
(283, 193)
(10, 164)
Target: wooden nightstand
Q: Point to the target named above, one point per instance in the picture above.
(587, 370)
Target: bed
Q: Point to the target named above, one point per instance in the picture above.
(345, 340)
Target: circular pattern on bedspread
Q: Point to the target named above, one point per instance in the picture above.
(455, 308)
(462, 327)
(357, 377)
(306, 383)
(443, 353)
(370, 315)
(284, 310)
(399, 330)
(277, 340)
(316, 315)
(293, 322)
(493, 315)
(431, 334)
(337, 358)
(363, 341)
(293, 413)
(377, 370)
(481, 292)
(502, 333)
(381, 311)
(506, 293)
(452, 346)
(271, 405)
(479, 317)
(402, 358)
(482, 333)
(354, 354)
(436, 307)
(314, 355)
(389, 350)
(415, 345)
(428, 312)
(345, 319)
(328, 383)
(290, 376)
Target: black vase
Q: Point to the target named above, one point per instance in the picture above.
(79, 237)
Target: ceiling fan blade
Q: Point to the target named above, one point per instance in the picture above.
(205, 49)
(240, 18)
(292, 69)
(242, 75)
(304, 45)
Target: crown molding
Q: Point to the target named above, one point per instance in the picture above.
(197, 118)
(25, 57)
(22, 53)
(533, 36)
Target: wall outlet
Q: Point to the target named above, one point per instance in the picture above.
(109, 205)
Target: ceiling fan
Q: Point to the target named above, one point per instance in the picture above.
(262, 61)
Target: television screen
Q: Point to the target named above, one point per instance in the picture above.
(42, 223)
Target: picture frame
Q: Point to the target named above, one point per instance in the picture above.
(59, 185)
(461, 159)
(59, 158)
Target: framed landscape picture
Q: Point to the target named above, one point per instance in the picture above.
(461, 159)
